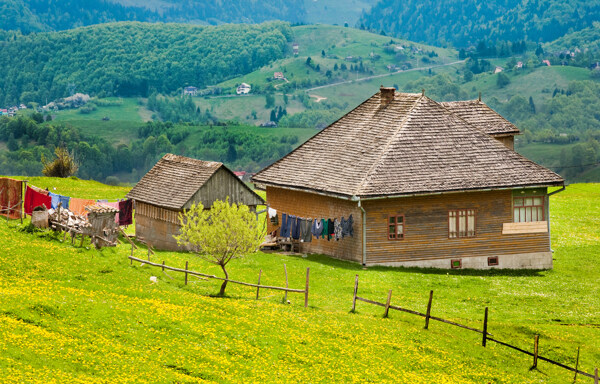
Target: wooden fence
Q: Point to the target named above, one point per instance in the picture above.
(486, 336)
(258, 286)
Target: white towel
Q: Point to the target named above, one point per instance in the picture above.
(272, 212)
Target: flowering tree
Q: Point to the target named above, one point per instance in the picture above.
(220, 234)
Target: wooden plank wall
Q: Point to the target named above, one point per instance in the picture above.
(311, 205)
(426, 228)
(156, 213)
(221, 185)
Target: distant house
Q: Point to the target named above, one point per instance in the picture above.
(278, 76)
(427, 185)
(392, 67)
(399, 48)
(172, 186)
(519, 65)
(269, 124)
(243, 89)
(240, 174)
(3, 112)
(547, 62)
(295, 48)
(22, 106)
(191, 91)
(498, 70)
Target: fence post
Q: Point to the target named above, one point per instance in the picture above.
(163, 266)
(286, 284)
(306, 290)
(485, 321)
(428, 315)
(148, 251)
(596, 376)
(186, 274)
(536, 340)
(576, 366)
(258, 288)
(387, 304)
(355, 294)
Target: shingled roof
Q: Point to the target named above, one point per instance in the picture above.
(479, 114)
(399, 144)
(174, 180)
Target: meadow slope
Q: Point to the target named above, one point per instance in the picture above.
(70, 314)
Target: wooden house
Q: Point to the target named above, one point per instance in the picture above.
(428, 184)
(172, 186)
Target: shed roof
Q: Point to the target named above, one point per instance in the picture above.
(174, 180)
(479, 114)
(409, 145)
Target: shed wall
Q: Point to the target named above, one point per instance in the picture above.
(156, 226)
(311, 205)
(508, 141)
(220, 186)
(426, 229)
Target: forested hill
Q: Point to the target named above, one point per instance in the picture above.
(53, 15)
(129, 59)
(465, 22)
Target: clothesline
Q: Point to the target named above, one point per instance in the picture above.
(304, 229)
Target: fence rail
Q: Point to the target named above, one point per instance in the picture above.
(486, 335)
(257, 286)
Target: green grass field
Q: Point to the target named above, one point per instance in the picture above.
(122, 126)
(72, 314)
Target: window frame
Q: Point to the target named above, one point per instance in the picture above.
(457, 223)
(531, 207)
(393, 236)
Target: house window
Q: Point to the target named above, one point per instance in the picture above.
(456, 263)
(396, 227)
(528, 209)
(493, 260)
(461, 223)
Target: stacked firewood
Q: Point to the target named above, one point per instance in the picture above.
(63, 219)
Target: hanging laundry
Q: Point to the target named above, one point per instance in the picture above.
(11, 194)
(295, 228)
(114, 205)
(305, 230)
(65, 200)
(272, 212)
(33, 199)
(330, 229)
(284, 231)
(77, 206)
(126, 212)
(337, 229)
(55, 199)
(317, 228)
(347, 225)
(325, 225)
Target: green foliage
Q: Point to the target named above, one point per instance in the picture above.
(161, 57)
(44, 15)
(465, 23)
(502, 80)
(63, 166)
(220, 234)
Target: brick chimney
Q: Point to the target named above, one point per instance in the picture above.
(387, 95)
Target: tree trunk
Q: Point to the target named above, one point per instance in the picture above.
(224, 285)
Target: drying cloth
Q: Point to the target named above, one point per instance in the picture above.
(272, 212)
(112, 205)
(347, 225)
(337, 229)
(305, 230)
(330, 229)
(65, 200)
(11, 193)
(77, 206)
(283, 232)
(317, 228)
(324, 224)
(55, 199)
(295, 227)
(126, 212)
(33, 199)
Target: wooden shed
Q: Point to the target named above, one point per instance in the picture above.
(428, 184)
(172, 186)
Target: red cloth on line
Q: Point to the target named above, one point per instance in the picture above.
(34, 199)
(126, 212)
(11, 193)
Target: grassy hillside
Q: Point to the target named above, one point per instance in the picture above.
(80, 315)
